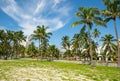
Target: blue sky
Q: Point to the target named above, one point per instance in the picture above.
(25, 15)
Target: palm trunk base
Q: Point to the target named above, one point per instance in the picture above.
(118, 65)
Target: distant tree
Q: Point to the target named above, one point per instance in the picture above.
(108, 46)
(76, 44)
(96, 33)
(32, 50)
(53, 52)
(66, 43)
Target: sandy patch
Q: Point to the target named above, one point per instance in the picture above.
(45, 74)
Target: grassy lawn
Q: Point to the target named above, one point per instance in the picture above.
(33, 70)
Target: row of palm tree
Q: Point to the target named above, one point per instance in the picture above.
(10, 43)
(90, 16)
(79, 46)
(44, 50)
(82, 43)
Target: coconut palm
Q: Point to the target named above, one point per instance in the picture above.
(44, 46)
(108, 46)
(77, 43)
(85, 46)
(94, 49)
(53, 51)
(17, 38)
(66, 42)
(96, 33)
(88, 16)
(111, 13)
(32, 50)
(5, 44)
(41, 34)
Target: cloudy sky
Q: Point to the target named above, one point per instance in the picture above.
(58, 15)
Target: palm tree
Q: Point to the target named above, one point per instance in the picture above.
(94, 48)
(88, 16)
(41, 34)
(17, 38)
(5, 44)
(85, 46)
(53, 51)
(32, 50)
(108, 46)
(44, 46)
(10, 42)
(10, 35)
(77, 44)
(66, 42)
(96, 33)
(111, 13)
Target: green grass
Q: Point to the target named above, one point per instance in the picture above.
(33, 70)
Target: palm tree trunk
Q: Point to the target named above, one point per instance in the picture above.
(118, 46)
(41, 51)
(90, 51)
(107, 56)
(106, 60)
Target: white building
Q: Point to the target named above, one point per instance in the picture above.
(26, 42)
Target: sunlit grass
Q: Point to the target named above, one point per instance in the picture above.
(33, 70)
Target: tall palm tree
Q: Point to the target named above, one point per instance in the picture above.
(41, 34)
(108, 46)
(111, 13)
(88, 16)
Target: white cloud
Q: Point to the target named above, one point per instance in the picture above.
(40, 6)
(37, 12)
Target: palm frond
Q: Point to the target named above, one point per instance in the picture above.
(78, 23)
(107, 19)
(78, 14)
(106, 13)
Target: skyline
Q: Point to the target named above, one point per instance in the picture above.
(57, 14)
